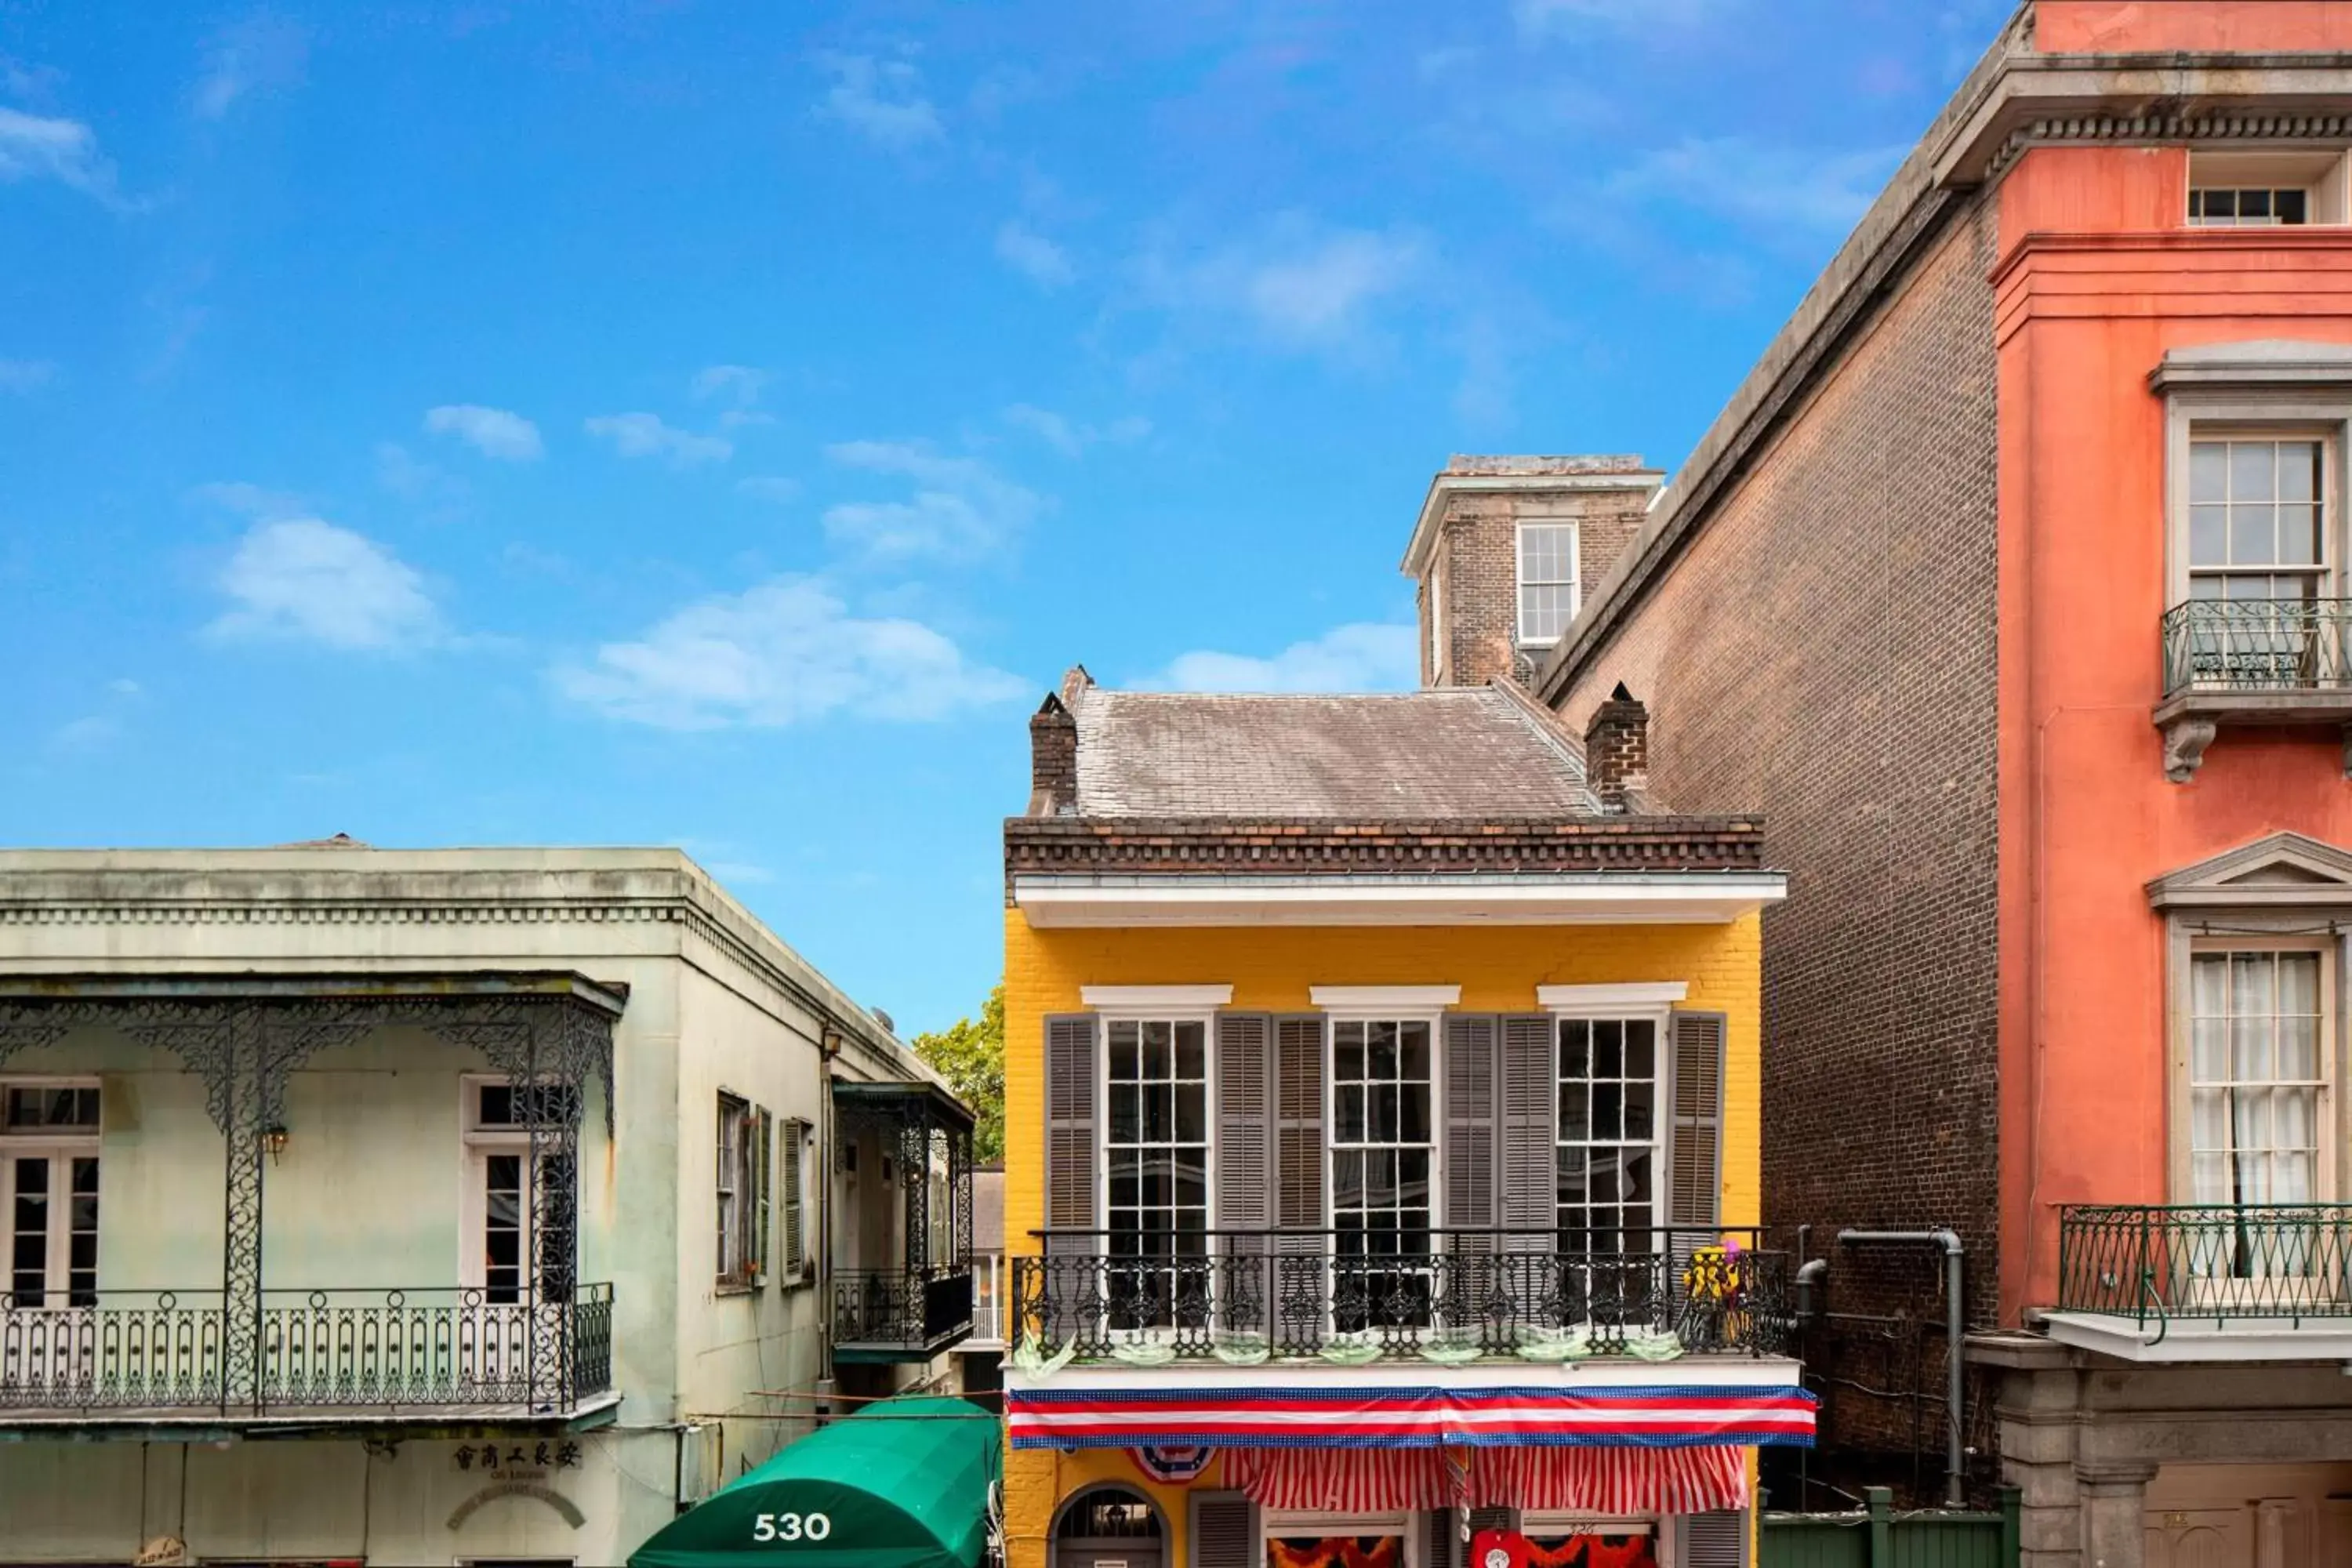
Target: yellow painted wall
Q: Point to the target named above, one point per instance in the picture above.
(1270, 970)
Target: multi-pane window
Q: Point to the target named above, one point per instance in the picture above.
(1608, 1133)
(1382, 1148)
(1158, 1144)
(1548, 586)
(746, 1138)
(506, 1212)
(49, 1193)
(2257, 1076)
(2248, 206)
(2257, 517)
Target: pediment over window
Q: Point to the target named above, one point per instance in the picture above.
(2282, 870)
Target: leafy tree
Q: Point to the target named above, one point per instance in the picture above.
(971, 1056)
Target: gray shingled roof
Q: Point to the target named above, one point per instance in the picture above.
(1474, 752)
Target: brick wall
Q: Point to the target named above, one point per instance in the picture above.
(1476, 568)
(1824, 654)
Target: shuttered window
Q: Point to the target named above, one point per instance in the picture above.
(1383, 1140)
(1070, 1079)
(1529, 1161)
(792, 1159)
(1469, 1162)
(1245, 1148)
(1156, 1149)
(1224, 1532)
(1298, 1124)
(1695, 1182)
(1607, 1129)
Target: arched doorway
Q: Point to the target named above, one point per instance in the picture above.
(1105, 1526)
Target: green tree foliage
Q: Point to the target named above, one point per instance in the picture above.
(971, 1056)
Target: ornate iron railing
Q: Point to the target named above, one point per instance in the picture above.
(2258, 644)
(2218, 1262)
(1444, 1294)
(125, 1350)
(912, 1308)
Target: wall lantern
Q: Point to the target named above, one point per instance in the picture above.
(273, 1140)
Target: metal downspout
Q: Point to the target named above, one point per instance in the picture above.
(1954, 1493)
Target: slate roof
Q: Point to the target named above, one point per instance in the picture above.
(1478, 753)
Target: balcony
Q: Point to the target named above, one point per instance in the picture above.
(2206, 1281)
(138, 1356)
(1247, 1297)
(893, 1314)
(2255, 661)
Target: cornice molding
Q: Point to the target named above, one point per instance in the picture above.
(2165, 127)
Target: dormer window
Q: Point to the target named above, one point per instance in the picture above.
(2266, 190)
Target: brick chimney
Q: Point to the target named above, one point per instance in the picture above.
(1617, 751)
(1053, 749)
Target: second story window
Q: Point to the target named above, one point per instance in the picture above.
(1547, 581)
(746, 1138)
(1609, 1133)
(2257, 1077)
(2266, 190)
(1382, 1145)
(49, 1192)
(2257, 517)
(1158, 1147)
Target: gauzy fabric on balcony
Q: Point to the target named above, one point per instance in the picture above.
(1689, 1416)
(1584, 1480)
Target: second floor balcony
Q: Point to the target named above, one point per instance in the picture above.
(2250, 661)
(1440, 1297)
(2206, 1281)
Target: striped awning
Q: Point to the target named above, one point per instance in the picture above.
(1411, 1417)
(1583, 1480)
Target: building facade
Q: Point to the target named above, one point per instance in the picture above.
(1381, 1140)
(435, 1206)
(2009, 587)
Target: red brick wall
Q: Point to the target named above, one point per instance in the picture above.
(1475, 568)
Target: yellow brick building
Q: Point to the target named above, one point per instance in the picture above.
(1382, 1139)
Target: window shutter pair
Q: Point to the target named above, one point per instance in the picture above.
(1224, 1530)
(795, 1246)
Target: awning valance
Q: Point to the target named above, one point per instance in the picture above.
(1411, 1417)
(1579, 1481)
(903, 1484)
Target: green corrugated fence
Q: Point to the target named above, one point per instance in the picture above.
(1880, 1536)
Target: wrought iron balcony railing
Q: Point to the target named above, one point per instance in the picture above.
(1440, 1295)
(2207, 1262)
(909, 1308)
(2258, 644)
(119, 1350)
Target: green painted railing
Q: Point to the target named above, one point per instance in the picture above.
(2159, 1265)
(1882, 1536)
(2258, 644)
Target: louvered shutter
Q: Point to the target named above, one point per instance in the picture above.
(1445, 1532)
(1470, 1125)
(1223, 1530)
(763, 1178)
(1245, 1120)
(1694, 1190)
(796, 1247)
(1529, 1088)
(1070, 1076)
(1299, 1129)
(1713, 1540)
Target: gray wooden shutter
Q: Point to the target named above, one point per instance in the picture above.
(1070, 1076)
(1223, 1530)
(1445, 1532)
(1529, 1088)
(1713, 1540)
(1245, 1120)
(1298, 1124)
(1694, 1181)
(1470, 1125)
(763, 1179)
(795, 1249)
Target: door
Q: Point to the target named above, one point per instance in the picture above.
(1109, 1527)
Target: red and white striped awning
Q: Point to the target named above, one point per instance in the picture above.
(1587, 1417)
(1584, 1480)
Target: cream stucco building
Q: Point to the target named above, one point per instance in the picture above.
(437, 1206)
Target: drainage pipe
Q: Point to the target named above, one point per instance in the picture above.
(1955, 1495)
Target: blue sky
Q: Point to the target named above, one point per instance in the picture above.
(717, 424)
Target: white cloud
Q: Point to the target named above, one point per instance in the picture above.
(785, 652)
(880, 100)
(1068, 437)
(305, 579)
(1034, 256)
(1360, 657)
(1304, 284)
(645, 436)
(25, 374)
(411, 477)
(1763, 187)
(960, 505)
(248, 499)
(256, 53)
(739, 385)
(33, 147)
(1547, 18)
(768, 486)
(493, 432)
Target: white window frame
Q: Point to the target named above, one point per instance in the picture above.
(480, 1142)
(1153, 1004)
(61, 1146)
(2326, 1178)
(1519, 583)
(1273, 1524)
(2194, 414)
(1650, 1000)
(2319, 173)
(731, 1179)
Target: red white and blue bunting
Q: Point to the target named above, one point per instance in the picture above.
(1670, 1417)
(1172, 1465)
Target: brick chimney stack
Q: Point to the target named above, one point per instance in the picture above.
(1053, 749)
(1617, 751)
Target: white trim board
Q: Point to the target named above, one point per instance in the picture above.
(1156, 999)
(1738, 1370)
(1601, 898)
(1632, 997)
(2183, 1339)
(1383, 1001)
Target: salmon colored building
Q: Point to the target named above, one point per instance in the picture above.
(2014, 587)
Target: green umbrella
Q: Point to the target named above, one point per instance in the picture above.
(904, 1483)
